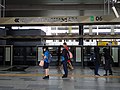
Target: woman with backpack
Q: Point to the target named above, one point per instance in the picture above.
(46, 55)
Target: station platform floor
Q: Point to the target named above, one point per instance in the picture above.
(30, 78)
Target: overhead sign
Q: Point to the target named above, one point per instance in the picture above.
(107, 43)
(59, 20)
(47, 19)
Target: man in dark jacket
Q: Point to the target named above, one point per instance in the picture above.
(108, 61)
(96, 60)
(65, 57)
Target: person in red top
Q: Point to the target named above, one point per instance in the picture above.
(69, 60)
(64, 56)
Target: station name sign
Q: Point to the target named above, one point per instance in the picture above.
(47, 19)
(60, 20)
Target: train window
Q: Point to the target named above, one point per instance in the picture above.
(18, 51)
(31, 51)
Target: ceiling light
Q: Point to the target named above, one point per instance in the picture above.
(115, 1)
(118, 1)
(2, 6)
(115, 11)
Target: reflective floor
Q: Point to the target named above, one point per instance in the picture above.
(30, 78)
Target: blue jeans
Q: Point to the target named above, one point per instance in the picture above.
(96, 69)
(65, 67)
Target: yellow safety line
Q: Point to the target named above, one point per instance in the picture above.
(59, 75)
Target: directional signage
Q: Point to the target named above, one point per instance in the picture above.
(59, 20)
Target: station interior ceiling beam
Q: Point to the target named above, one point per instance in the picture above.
(55, 7)
(59, 37)
(52, 1)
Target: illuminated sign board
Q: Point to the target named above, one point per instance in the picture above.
(107, 43)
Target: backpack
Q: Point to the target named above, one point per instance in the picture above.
(70, 54)
(50, 58)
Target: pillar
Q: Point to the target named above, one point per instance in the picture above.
(80, 33)
(112, 30)
(0, 9)
(90, 30)
(81, 43)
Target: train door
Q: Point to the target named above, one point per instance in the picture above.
(87, 51)
(30, 57)
(115, 52)
(19, 55)
(77, 56)
(6, 53)
(24, 55)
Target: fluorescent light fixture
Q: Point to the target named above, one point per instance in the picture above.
(115, 1)
(118, 1)
(115, 11)
(2, 6)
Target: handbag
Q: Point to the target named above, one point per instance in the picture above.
(41, 63)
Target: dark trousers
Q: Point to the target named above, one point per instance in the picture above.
(108, 67)
(96, 69)
(65, 67)
(110, 71)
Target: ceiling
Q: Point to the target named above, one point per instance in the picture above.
(16, 5)
(13, 2)
(53, 7)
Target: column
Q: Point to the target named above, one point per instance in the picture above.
(112, 30)
(81, 43)
(90, 30)
(80, 33)
(0, 8)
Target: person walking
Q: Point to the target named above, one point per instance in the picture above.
(96, 60)
(70, 56)
(65, 57)
(108, 62)
(46, 62)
